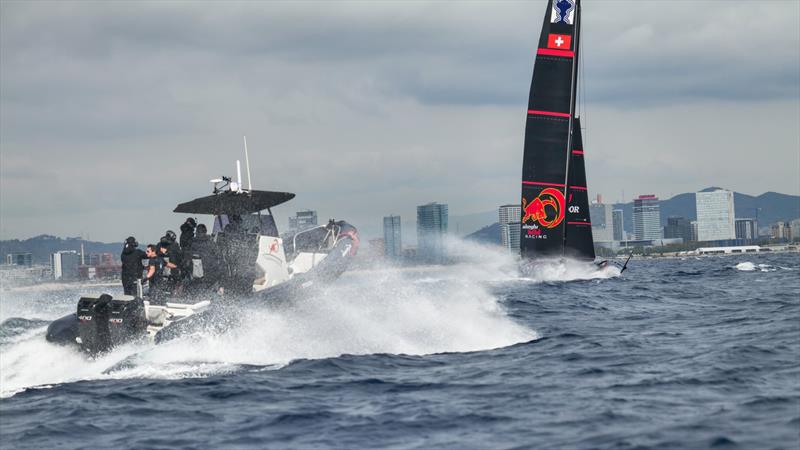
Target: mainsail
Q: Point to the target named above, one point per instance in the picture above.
(555, 211)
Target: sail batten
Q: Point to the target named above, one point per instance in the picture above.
(552, 194)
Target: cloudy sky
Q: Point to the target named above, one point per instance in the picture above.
(111, 113)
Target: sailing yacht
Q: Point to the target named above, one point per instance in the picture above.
(555, 221)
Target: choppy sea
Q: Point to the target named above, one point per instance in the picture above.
(675, 353)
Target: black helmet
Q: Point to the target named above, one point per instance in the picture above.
(131, 242)
(171, 236)
(191, 222)
(201, 229)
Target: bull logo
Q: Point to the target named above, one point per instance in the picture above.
(547, 208)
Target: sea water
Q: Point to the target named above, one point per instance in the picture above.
(674, 353)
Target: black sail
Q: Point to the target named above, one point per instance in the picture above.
(578, 242)
(551, 107)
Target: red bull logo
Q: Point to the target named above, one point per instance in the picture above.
(547, 208)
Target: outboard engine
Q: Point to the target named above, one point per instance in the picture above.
(105, 322)
(126, 320)
(93, 329)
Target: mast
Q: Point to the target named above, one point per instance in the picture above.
(573, 99)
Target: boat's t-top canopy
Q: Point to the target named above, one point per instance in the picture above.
(234, 202)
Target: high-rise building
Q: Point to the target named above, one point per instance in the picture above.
(746, 229)
(509, 216)
(65, 264)
(19, 259)
(781, 231)
(303, 220)
(646, 217)
(678, 227)
(601, 216)
(619, 225)
(794, 229)
(715, 216)
(431, 230)
(392, 237)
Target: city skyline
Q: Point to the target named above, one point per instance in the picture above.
(93, 119)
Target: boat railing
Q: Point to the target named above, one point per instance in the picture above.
(330, 238)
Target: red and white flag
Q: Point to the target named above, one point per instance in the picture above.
(559, 41)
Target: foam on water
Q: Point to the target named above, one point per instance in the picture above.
(411, 311)
(748, 266)
(570, 270)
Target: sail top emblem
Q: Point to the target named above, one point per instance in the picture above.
(563, 11)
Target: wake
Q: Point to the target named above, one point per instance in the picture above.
(384, 310)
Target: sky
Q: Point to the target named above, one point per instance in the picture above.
(112, 113)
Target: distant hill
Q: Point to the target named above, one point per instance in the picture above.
(772, 207)
(487, 235)
(469, 223)
(42, 246)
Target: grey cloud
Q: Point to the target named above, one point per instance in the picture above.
(364, 108)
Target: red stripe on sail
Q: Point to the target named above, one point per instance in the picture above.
(579, 188)
(551, 52)
(579, 223)
(548, 113)
(539, 183)
(577, 152)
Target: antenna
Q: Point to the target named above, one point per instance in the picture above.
(238, 175)
(247, 164)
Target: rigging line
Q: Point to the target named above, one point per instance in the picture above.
(572, 100)
(582, 86)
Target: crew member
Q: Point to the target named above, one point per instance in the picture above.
(131, 258)
(174, 253)
(187, 234)
(209, 254)
(154, 271)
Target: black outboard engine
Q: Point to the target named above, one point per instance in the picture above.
(126, 320)
(93, 323)
(105, 322)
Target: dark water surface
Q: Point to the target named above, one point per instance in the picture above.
(696, 353)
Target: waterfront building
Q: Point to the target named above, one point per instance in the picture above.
(431, 230)
(618, 219)
(646, 217)
(19, 259)
(746, 229)
(377, 248)
(392, 237)
(601, 216)
(794, 229)
(781, 231)
(715, 216)
(303, 220)
(509, 216)
(678, 227)
(65, 265)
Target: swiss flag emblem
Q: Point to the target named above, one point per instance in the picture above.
(559, 41)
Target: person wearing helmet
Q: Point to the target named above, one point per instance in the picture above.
(131, 258)
(187, 234)
(186, 242)
(174, 253)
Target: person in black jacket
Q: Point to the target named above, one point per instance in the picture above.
(186, 240)
(187, 234)
(131, 258)
(209, 254)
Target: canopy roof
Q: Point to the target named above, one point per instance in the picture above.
(228, 202)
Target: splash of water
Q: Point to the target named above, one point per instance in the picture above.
(748, 266)
(384, 310)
